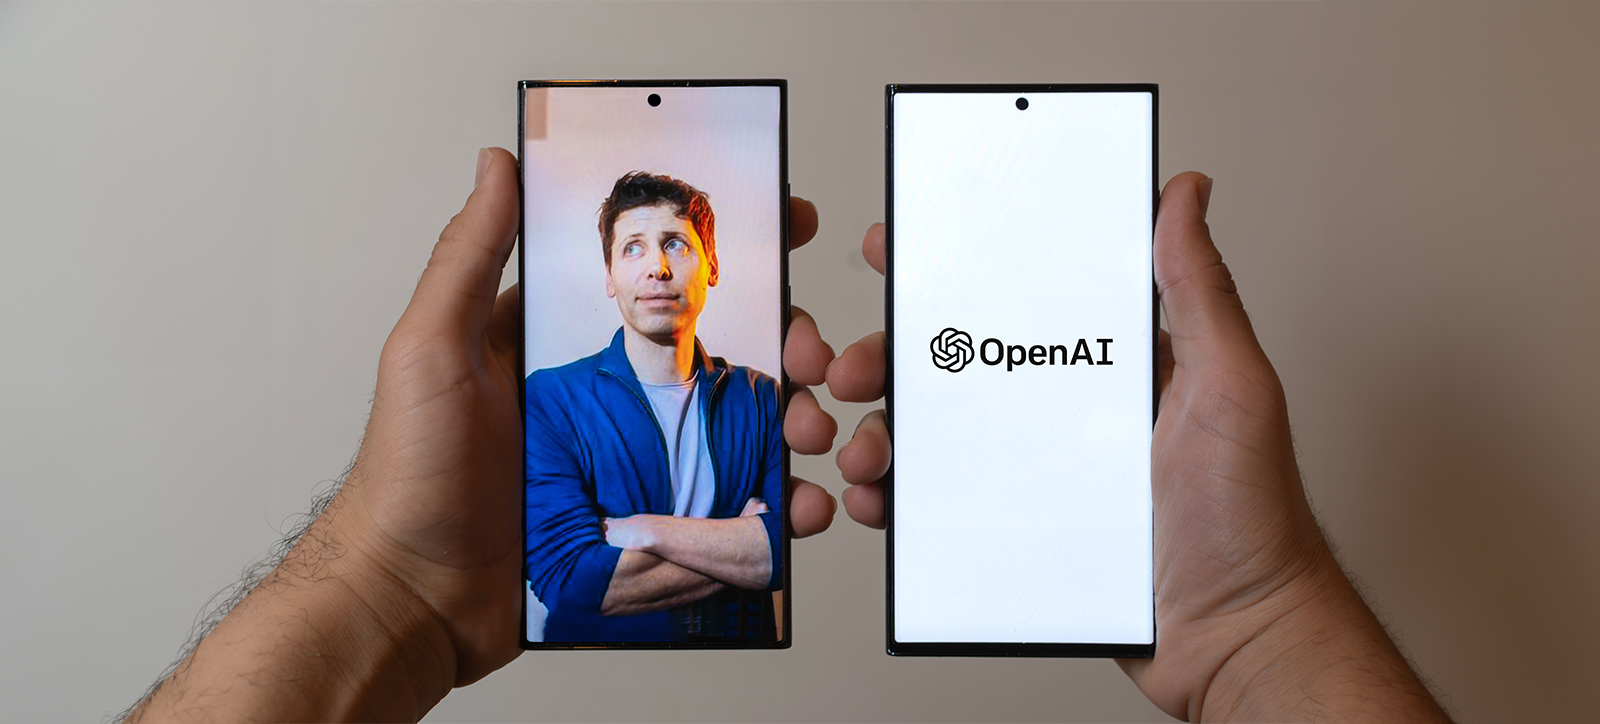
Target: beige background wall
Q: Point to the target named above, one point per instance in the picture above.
(210, 216)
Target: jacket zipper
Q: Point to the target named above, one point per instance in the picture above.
(705, 409)
(661, 436)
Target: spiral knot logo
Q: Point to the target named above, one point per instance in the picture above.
(952, 349)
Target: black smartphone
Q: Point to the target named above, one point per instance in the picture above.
(1021, 321)
(654, 272)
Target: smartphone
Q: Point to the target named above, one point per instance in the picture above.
(654, 273)
(1021, 332)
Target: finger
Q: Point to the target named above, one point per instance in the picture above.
(873, 246)
(805, 355)
(811, 508)
(866, 457)
(1204, 312)
(457, 290)
(857, 375)
(802, 222)
(808, 429)
(864, 504)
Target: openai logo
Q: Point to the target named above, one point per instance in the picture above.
(952, 349)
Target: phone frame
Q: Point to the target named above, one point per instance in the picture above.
(1064, 650)
(787, 623)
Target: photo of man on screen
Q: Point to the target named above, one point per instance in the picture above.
(654, 471)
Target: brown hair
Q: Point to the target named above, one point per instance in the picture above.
(642, 188)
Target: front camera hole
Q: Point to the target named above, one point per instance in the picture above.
(1022, 104)
(654, 99)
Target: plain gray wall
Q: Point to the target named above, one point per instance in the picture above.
(212, 214)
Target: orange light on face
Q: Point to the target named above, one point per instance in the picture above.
(660, 271)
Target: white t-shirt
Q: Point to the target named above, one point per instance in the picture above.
(677, 411)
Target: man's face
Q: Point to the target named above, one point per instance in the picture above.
(659, 271)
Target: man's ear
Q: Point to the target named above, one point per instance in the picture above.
(711, 259)
(611, 290)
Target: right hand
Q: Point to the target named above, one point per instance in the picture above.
(1254, 617)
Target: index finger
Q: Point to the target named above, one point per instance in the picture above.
(802, 222)
(873, 246)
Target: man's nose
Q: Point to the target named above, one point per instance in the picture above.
(662, 271)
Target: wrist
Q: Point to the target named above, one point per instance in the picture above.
(1317, 652)
(653, 533)
(325, 636)
(397, 657)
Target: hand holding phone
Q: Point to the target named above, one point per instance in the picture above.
(1236, 546)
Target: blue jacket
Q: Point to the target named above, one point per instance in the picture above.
(594, 450)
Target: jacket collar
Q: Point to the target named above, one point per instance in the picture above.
(614, 361)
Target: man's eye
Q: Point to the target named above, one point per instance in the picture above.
(633, 248)
(678, 247)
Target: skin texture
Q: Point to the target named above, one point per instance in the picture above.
(1255, 619)
(732, 550)
(659, 273)
(404, 587)
(671, 561)
(644, 583)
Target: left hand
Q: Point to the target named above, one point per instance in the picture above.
(434, 498)
(754, 506)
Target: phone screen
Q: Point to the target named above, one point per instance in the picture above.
(654, 298)
(1021, 398)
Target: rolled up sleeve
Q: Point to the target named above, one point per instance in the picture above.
(568, 561)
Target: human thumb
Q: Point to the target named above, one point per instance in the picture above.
(457, 291)
(1204, 313)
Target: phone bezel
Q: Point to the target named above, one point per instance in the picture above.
(1067, 650)
(783, 402)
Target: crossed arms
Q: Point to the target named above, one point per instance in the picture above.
(582, 559)
(645, 563)
(668, 561)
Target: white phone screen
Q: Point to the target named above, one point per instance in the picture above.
(1021, 398)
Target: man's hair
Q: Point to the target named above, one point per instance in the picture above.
(642, 188)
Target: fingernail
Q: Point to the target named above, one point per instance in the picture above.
(1204, 189)
(484, 157)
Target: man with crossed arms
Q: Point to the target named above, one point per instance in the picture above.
(654, 470)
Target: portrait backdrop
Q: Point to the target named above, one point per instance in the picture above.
(206, 252)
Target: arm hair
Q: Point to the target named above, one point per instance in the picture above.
(224, 601)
